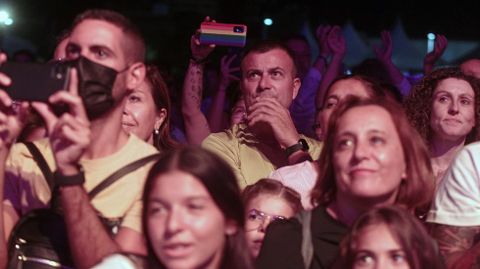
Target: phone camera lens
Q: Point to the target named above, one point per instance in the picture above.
(59, 69)
(238, 29)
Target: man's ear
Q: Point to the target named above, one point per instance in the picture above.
(296, 86)
(136, 75)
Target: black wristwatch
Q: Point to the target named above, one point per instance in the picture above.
(300, 145)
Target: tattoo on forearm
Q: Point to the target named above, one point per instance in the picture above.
(195, 98)
(196, 70)
(453, 239)
(196, 81)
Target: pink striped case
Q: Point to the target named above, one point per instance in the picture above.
(223, 34)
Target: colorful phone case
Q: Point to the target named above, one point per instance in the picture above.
(223, 34)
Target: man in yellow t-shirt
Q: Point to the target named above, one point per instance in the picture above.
(108, 51)
(268, 138)
(26, 188)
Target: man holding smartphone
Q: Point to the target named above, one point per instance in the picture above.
(89, 135)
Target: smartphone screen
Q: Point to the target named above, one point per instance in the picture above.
(35, 81)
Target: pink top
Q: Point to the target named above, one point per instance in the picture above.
(301, 177)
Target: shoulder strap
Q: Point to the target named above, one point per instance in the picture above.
(42, 163)
(305, 217)
(120, 173)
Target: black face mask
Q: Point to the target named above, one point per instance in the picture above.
(95, 84)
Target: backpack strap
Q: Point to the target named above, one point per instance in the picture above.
(47, 174)
(42, 164)
(305, 219)
(120, 173)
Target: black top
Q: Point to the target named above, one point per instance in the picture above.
(281, 247)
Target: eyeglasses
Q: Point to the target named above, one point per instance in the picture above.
(257, 218)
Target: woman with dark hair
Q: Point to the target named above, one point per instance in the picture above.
(200, 223)
(389, 237)
(265, 201)
(349, 85)
(147, 111)
(193, 216)
(371, 157)
(444, 107)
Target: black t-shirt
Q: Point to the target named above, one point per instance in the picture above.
(281, 247)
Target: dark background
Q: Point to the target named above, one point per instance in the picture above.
(168, 24)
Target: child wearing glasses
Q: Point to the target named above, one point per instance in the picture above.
(265, 201)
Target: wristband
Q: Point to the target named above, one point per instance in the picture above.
(63, 180)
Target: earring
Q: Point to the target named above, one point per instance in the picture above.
(156, 132)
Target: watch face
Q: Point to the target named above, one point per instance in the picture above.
(304, 144)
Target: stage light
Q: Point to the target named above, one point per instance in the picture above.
(430, 42)
(268, 21)
(5, 18)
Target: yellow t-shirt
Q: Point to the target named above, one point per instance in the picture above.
(26, 188)
(245, 154)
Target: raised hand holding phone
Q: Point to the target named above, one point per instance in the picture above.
(200, 51)
(70, 133)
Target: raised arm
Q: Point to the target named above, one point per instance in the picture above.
(432, 57)
(216, 115)
(303, 106)
(336, 43)
(384, 55)
(69, 137)
(196, 124)
(324, 50)
(12, 117)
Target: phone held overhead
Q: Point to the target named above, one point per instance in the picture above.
(223, 34)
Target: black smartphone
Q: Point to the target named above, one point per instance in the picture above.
(35, 81)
